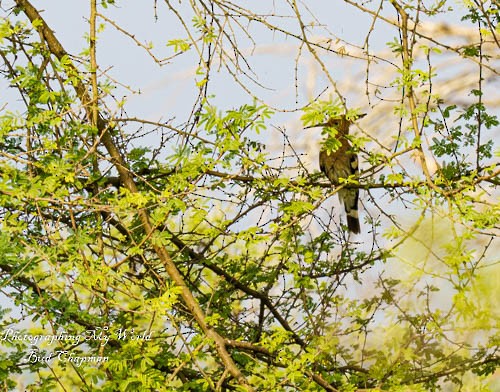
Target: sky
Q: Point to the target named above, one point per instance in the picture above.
(287, 81)
(168, 91)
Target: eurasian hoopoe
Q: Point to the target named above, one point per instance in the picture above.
(342, 163)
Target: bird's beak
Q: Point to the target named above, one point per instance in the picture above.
(316, 126)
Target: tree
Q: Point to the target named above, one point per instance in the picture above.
(199, 253)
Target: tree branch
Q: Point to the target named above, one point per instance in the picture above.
(127, 180)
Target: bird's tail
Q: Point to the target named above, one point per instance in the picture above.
(349, 198)
(353, 222)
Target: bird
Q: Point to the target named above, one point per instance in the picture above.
(342, 163)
